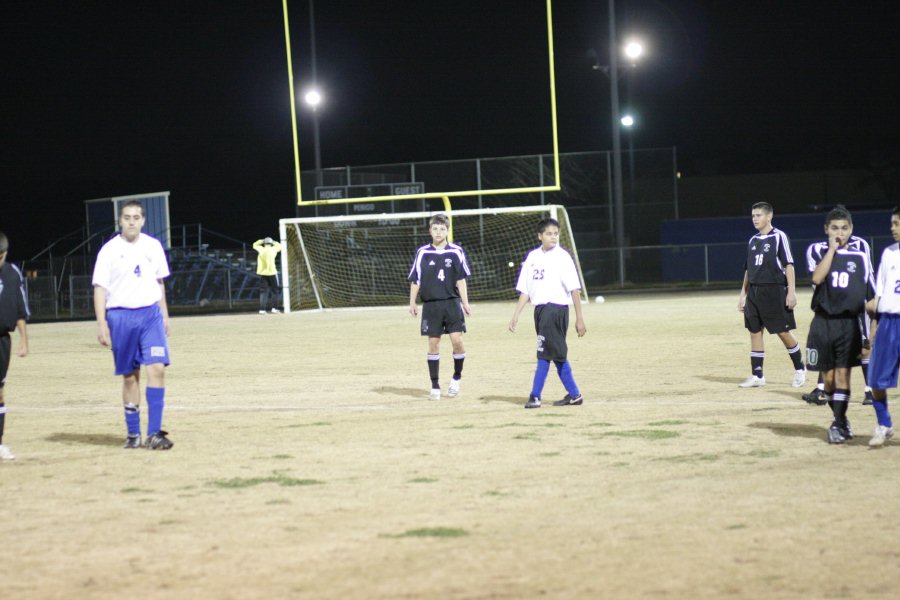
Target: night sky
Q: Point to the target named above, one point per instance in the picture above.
(115, 98)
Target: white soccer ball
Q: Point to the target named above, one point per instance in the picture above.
(599, 299)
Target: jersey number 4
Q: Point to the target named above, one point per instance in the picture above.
(440, 275)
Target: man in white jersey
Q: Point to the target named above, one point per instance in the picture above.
(133, 318)
(549, 280)
(885, 359)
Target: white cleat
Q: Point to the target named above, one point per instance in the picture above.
(434, 395)
(6, 453)
(275, 311)
(752, 381)
(799, 378)
(453, 388)
(882, 434)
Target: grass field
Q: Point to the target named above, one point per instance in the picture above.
(308, 463)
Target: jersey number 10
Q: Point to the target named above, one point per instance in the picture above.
(840, 279)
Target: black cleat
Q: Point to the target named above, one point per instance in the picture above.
(158, 441)
(816, 397)
(846, 430)
(132, 441)
(533, 402)
(570, 401)
(835, 436)
(867, 401)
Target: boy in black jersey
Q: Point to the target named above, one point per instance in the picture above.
(844, 282)
(439, 273)
(767, 296)
(13, 314)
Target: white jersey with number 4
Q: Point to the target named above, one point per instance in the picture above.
(130, 272)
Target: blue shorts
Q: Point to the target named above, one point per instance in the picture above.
(138, 337)
(885, 358)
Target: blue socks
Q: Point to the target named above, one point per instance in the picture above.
(133, 419)
(540, 376)
(155, 402)
(564, 370)
(881, 412)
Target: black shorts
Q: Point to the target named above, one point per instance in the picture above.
(551, 322)
(5, 352)
(765, 307)
(833, 343)
(443, 316)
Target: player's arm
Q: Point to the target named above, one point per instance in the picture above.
(790, 300)
(23, 337)
(824, 266)
(523, 300)
(413, 292)
(163, 305)
(100, 311)
(742, 299)
(580, 327)
(463, 289)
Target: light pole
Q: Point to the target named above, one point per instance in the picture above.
(313, 98)
(628, 123)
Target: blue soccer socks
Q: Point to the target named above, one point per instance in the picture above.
(156, 399)
(133, 419)
(540, 376)
(564, 370)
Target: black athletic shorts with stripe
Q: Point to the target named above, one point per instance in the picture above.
(833, 343)
(551, 322)
(765, 307)
(5, 353)
(442, 316)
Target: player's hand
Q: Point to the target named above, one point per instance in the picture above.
(23, 348)
(790, 301)
(103, 334)
(467, 309)
(741, 301)
(580, 327)
(413, 309)
(512, 324)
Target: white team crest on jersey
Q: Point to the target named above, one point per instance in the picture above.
(766, 247)
(448, 263)
(851, 268)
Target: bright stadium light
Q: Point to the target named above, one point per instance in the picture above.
(313, 97)
(634, 49)
(627, 120)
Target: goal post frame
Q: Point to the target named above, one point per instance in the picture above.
(556, 211)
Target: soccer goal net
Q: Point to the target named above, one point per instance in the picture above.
(337, 262)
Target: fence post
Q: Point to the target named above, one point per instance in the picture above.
(622, 267)
(706, 262)
(228, 287)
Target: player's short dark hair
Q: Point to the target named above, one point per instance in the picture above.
(4, 242)
(838, 213)
(896, 210)
(439, 219)
(764, 206)
(545, 223)
(134, 203)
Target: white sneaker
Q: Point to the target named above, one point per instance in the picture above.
(752, 381)
(799, 378)
(6, 454)
(882, 434)
(453, 388)
(262, 312)
(434, 395)
(275, 311)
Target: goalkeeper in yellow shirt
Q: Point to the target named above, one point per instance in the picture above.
(267, 269)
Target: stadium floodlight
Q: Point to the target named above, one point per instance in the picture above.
(627, 121)
(313, 97)
(554, 186)
(633, 49)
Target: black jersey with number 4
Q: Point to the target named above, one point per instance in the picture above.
(847, 286)
(437, 270)
(767, 256)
